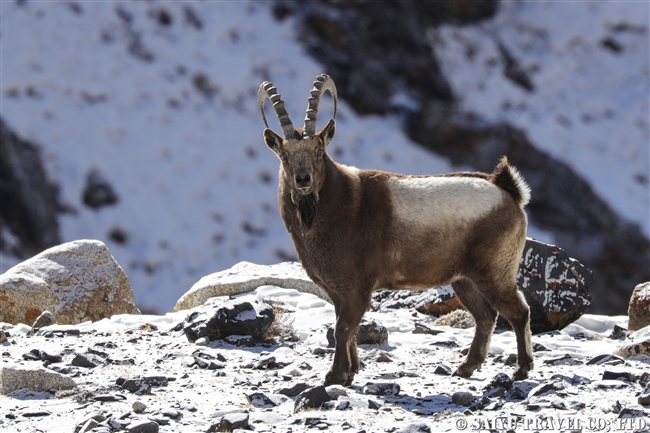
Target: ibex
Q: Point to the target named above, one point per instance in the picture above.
(356, 231)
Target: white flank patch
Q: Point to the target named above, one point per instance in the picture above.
(442, 200)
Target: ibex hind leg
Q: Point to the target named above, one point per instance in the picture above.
(511, 304)
(485, 317)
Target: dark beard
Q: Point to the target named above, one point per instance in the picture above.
(307, 208)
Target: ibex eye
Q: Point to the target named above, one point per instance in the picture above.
(283, 157)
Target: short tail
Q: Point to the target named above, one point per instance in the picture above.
(509, 179)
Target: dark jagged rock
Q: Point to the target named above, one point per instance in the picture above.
(312, 398)
(243, 319)
(29, 200)
(234, 321)
(556, 287)
(258, 399)
(370, 332)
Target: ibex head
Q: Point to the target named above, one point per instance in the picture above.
(301, 151)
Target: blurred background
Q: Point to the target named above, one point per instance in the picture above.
(136, 123)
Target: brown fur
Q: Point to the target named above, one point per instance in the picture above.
(350, 243)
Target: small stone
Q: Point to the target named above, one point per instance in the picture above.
(231, 422)
(203, 341)
(425, 328)
(336, 391)
(36, 413)
(109, 397)
(45, 319)
(372, 332)
(382, 388)
(294, 390)
(501, 380)
(618, 333)
(88, 426)
(416, 428)
(644, 380)
(563, 360)
(462, 398)
(539, 347)
(143, 427)
(619, 375)
(83, 360)
(547, 388)
(605, 359)
(610, 384)
(372, 404)
(32, 355)
(342, 405)
(138, 406)
(443, 369)
(172, 413)
(50, 357)
(383, 357)
(312, 398)
(258, 399)
(644, 399)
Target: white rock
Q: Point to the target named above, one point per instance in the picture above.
(76, 281)
(33, 377)
(245, 277)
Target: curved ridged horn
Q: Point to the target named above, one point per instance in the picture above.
(267, 90)
(323, 82)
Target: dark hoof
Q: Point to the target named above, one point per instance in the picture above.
(464, 371)
(335, 378)
(521, 373)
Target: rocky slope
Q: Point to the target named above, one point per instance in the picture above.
(140, 373)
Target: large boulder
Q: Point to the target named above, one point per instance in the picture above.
(33, 377)
(245, 277)
(76, 281)
(639, 307)
(556, 287)
(219, 318)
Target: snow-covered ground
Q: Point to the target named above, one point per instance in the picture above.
(195, 398)
(167, 112)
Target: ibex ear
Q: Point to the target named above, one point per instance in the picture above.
(273, 140)
(327, 133)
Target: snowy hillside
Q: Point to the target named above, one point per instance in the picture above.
(160, 98)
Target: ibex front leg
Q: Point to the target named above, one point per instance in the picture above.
(346, 361)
